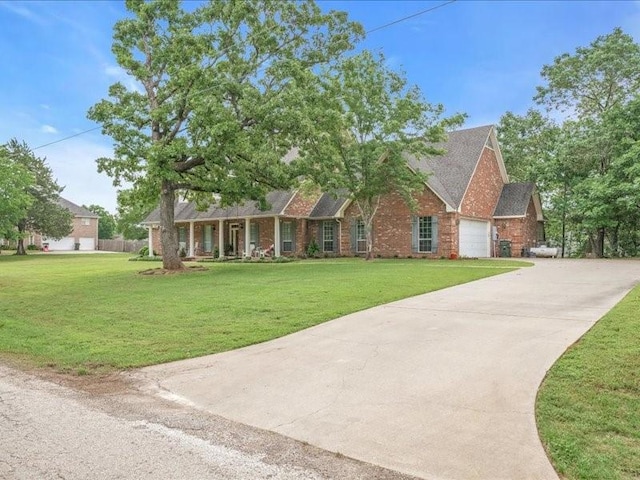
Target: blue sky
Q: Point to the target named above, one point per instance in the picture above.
(479, 57)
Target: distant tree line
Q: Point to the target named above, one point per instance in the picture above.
(582, 147)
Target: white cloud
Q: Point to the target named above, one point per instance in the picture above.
(21, 10)
(48, 129)
(74, 165)
(123, 77)
(44, 106)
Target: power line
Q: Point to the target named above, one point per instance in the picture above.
(409, 16)
(224, 51)
(67, 138)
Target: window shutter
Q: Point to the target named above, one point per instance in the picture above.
(335, 236)
(353, 230)
(293, 236)
(415, 244)
(257, 235)
(434, 234)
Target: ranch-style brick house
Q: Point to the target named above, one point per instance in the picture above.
(467, 207)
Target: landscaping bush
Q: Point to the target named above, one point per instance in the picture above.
(312, 248)
(32, 247)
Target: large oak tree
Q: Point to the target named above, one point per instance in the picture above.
(219, 105)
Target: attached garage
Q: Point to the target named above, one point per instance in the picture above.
(66, 243)
(475, 238)
(87, 243)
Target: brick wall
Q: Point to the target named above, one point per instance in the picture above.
(485, 187)
(80, 230)
(302, 203)
(521, 232)
(392, 226)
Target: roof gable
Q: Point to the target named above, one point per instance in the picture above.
(77, 210)
(451, 173)
(514, 200)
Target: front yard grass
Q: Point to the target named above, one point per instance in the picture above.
(84, 313)
(588, 408)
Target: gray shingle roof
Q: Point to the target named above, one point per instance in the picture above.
(451, 172)
(450, 176)
(77, 210)
(327, 206)
(185, 211)
(514, 200)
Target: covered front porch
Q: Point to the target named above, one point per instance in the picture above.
(238, 237)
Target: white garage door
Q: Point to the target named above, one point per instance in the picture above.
(87, 243)
(65, 243)
(474, 238)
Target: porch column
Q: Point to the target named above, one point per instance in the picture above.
(247, 237)
(276, 236)
(220, 238)
(150, 241)
(192, 247)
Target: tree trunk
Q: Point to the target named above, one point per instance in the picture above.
(369, 237)
(601, 240)
(21, 250)
(168, 234)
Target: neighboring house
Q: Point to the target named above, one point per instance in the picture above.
(467, 207)
(84, 233)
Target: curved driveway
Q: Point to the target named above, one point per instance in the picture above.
(441, 386)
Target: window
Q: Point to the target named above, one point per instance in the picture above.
(254, 237)
(182, 235)
(361, 237)
(424, 234)
(287, 237)
(207, 236)
(86, 221)
(327, 236)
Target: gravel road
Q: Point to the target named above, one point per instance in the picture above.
(103, 428)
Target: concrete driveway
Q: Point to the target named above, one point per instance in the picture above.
(441, 386)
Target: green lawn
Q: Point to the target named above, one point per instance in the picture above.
(94, 312)
(588, 407)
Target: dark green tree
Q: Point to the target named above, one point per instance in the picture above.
(219, 107)
(15, 182)
(586, 86)
(43, 215)
(106, 222)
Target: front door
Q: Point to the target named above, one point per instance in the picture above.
(234, 228)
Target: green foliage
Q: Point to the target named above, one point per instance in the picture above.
(366, 120)
(221, 105)
(313, 248)
(144, 252)
(584, 167)
(106, 223)
(15, 200)
(32, 247)
(96, 312)
(43, 214)
(588, 407)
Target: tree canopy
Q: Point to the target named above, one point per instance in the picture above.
(219, 99)
(15, 180)
(39, 209)
(586, 164)
(366, 120)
